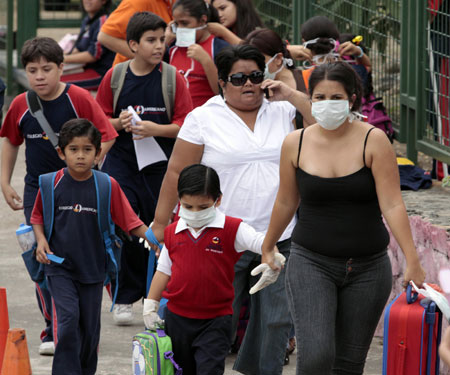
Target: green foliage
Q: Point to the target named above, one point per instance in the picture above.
(276, 15)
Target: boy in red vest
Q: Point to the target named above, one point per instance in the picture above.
(196, 271)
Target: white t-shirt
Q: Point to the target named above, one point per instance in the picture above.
(247, 162)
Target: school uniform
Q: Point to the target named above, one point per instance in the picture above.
(141, 187)
(76, 284)
(41, 156)
(200, 290)
(193, 71)
(93, 73)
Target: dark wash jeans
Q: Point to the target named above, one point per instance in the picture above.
(336, 304)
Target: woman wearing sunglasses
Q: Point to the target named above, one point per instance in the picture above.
(239, 134)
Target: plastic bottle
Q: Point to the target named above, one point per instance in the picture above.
(25, 236)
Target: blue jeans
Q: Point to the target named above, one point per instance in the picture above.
(263, 349)
(336, 304)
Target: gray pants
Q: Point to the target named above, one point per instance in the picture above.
(336, 304)
(264, 346)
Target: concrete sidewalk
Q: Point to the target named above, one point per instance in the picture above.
(115, 345)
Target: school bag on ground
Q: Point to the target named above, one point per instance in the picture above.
(113, 244)
(168, 84)
(152, 354)
(412, 333)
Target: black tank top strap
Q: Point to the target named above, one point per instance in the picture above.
(365, 143)
(300, 146)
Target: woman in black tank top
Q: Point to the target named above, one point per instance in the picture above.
(344, 175)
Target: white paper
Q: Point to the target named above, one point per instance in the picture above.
(147, 150)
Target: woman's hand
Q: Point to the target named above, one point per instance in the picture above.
(277, 90)
(299, 52)
(414, 272)
(217, 29)
(272, 262)
(349, 49)
(196, 52)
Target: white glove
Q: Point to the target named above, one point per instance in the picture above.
(269, 276)
(146, 245)
(151, 318)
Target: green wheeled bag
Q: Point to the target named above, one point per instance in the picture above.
(152, 354)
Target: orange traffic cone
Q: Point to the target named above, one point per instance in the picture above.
(4, 323)
(16, 360)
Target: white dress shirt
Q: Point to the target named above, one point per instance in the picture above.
(246, 161)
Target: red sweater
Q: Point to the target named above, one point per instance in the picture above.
(201, 285)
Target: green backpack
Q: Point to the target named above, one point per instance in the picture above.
(168, 84)
(152, 354)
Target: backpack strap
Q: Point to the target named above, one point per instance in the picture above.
(46, 185)
(36, 110)
(117, 80)
(105, 223)
(168, 85)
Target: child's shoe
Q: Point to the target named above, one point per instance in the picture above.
(123, 314)
(47, 348)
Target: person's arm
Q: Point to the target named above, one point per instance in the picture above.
(299, 52)
(280, 91)
(387, 181)
(196, 52)
(9, 157)
(115, 44)
(159, 284)
(79, 58)
(144, 129)
(140, 231)
(287, 199)
(444, 347)
(42, 247)
(184, 153)
(350, 49)
(224, 33)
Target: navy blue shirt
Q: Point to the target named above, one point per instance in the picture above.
(87, 41)
(144, 94)
(76, 219)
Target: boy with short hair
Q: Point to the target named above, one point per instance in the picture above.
(142, 89)
(76, 284)
(42, 59)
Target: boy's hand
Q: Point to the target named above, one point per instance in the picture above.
(12, 198)
(144, 129)
(270, 271)
(41, 250)
(125, 120)
(196, 52)
(150, 314)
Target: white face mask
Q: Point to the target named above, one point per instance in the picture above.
(187, 36)
(267, 74)
(198, 219)
(330, 114)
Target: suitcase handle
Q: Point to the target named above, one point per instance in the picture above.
(411, 296)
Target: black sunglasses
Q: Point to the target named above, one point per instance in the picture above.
(239, 79)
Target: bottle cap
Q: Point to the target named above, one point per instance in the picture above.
(23, 228)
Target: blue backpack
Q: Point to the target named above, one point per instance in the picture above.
(113, 244)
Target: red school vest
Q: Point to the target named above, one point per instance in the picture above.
(192, 70)
(201, 285)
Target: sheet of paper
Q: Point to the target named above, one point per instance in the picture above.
(148, 151)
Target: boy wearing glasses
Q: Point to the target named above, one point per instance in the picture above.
(143, 90)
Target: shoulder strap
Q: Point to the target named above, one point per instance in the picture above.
(103, 191)
(117, 80)
(168, 85)
(299, 81)
(35, 107)
(306, 74)
(47, 187)
(365, 143)
(300, 147)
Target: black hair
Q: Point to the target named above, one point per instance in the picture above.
(41, 47)
(225, 59)
(319, 27)
(105, 9)
(197, 9)
(141, 22)
(198, 179)
(269, 43)
(79, 127)
(247, 18)
(340, 72)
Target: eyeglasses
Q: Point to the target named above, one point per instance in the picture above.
(239, 79)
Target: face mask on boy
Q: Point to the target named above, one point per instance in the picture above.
(198, 219)
(186, 36)
(330, 114)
